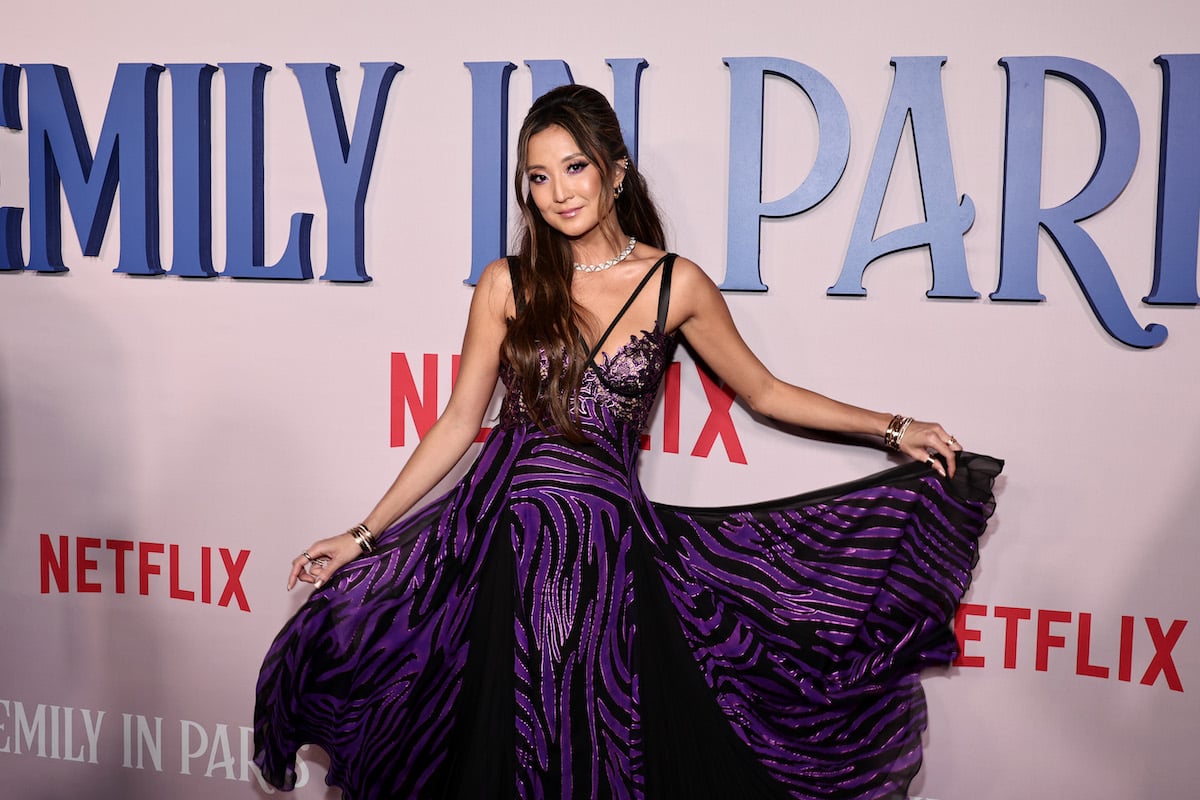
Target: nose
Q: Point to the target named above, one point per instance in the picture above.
(560, 190)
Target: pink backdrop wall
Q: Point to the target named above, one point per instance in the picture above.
(232, 422)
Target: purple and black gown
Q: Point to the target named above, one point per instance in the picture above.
(544, 630)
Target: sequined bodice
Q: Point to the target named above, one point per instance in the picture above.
(617, 392)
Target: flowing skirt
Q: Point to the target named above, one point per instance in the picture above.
(543, 630)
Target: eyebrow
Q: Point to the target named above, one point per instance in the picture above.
(571, 157)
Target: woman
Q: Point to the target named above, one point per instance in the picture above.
(543, 630)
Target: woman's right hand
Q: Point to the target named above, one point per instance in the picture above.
(322, 559)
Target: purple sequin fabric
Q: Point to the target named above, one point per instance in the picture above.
(545, 631)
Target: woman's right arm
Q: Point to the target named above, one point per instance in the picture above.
(446, 441)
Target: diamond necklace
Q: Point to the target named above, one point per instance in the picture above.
(612, 262)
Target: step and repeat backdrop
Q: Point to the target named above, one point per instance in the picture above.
(237, 244)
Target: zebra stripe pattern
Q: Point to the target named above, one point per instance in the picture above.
(545, 631)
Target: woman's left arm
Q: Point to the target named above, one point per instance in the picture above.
(699, 312)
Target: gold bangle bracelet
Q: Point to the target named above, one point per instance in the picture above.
(363, 537)
(895, 431)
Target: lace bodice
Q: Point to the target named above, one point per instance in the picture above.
(616, 393)
(620, 390)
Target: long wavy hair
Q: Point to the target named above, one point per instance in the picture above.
(547, 322)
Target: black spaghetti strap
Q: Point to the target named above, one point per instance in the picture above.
(594, 349)
(514, 274)
(664, 292)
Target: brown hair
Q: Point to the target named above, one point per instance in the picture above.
(547, 321)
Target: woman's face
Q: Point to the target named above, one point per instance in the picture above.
(566, 185)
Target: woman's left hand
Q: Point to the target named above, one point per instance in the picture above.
(925, 440)
(322, 559)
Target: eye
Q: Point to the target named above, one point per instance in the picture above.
(537, 178)
(575, 167)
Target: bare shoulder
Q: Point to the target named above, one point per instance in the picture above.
(688, 272)
(496, 287)
(496, 276)
(692, 292)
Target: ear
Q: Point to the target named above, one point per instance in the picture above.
(622, 169)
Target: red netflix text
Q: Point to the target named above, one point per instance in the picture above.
(113, 565)
(423, 405)
(1126, 654)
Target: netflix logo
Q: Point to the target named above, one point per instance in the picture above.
(86, 565)
(422, 405)
(1133, 647)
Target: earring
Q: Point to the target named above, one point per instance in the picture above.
(619, 188)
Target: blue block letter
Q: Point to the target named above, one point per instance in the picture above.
(345, 162)
(191, 158)
(60, 157)
(1178, 183)
(489, 162)
(244, 183)
(916, 95)
(1023, 214)
(11, 256)
(746, 206)
(10, 84)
